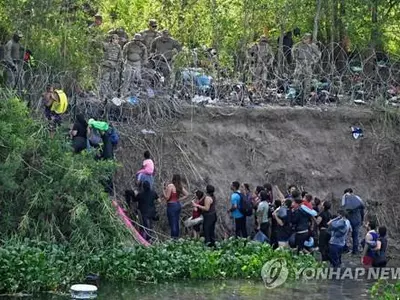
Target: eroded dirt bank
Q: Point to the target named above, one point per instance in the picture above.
(312, 147)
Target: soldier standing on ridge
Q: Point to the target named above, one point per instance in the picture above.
(134, 57)
(164, 48)
(13, 58)
(98, 20)
(306, 54)
(149, 35)
(110, 67)
(264, 60)
(123, 36)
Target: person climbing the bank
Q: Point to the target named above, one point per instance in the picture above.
(250, 220)
(324, 236)
(283, 215)
(79, 133)
(237, 198)
(173, 194)
(209, 216)
(263, 213)
(380, 259)
(338, 229)
(195, 221)
(56, 104)
(370, 244)
(146, 173)
(354, 205)
(300, 221)
(146, 199)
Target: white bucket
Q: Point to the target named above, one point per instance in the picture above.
(83, 291)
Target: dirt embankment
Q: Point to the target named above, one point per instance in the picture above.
(312, 148)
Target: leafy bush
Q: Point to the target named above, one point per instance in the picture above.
(47, 192)
(37, 266)
(385, 291)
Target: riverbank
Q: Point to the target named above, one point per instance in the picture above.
(30, 266)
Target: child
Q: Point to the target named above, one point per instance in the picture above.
(146, 173)
(196, 219)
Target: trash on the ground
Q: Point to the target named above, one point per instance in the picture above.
(133, 100)
(83, 291)
(201, 99)
(359, 101)
(147, 131)
(150, 92)
(116, 101)
(357, 132)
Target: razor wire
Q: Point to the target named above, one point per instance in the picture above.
(195, 77)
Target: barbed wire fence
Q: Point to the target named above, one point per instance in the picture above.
(152, 106)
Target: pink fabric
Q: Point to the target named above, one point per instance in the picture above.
(148, 167)
(129, 225)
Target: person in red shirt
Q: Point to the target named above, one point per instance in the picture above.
(307, 198)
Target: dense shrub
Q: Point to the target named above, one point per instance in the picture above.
(37, 266)
(47, 192)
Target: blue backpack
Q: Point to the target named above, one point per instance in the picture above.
(114, 135)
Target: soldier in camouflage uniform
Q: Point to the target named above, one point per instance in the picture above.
(13, 59)
(164, 48)
(134, 57)
(123, 36)
(110, 67)
(261, 61)
(306, 54)
(149, 35)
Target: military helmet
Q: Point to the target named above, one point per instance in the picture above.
(165, 32)
(137, 37)
(152, 22)
(98, 16)
(18, 34)
(307, 36)
(263, 38)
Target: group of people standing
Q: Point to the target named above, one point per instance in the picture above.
(149, 48)
(295, 220)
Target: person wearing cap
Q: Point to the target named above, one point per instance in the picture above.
(134, 57)
(306, 54)
(262, 57)
(123, 36)
(110, 67)
(164, 48)
(13, 57)
(150, 34)
(98, 21)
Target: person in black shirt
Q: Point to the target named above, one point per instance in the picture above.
(300, 221)
(79, 134)
(146, 205)
(282, 216)
(324, 236)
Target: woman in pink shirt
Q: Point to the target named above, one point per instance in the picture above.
(146, 173)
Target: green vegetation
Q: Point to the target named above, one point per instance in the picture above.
(38, 266)
(48, 193)
(57, 31)
(383, 290)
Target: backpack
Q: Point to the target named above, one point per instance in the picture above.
(245, 206)
(95, 137)
(341, 231)
(114, 135)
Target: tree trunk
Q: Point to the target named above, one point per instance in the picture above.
(316, 20)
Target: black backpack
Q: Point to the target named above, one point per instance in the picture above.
(245, 206)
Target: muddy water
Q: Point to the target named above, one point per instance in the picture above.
(188, 290)
(227, 290)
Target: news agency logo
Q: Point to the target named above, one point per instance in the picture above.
(275, 273)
